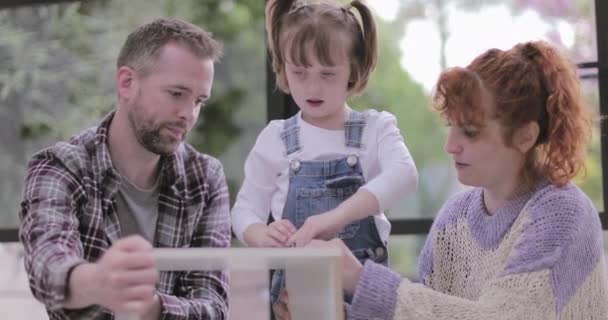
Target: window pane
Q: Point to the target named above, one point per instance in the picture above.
(57, 78)
(591, 182)
(404, 252)
(418, 39)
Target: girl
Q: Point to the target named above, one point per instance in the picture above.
(328, 170)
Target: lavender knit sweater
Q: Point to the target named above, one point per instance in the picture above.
(539, 257)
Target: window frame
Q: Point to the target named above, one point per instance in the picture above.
(601, 24)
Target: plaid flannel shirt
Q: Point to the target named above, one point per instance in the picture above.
(68, 216)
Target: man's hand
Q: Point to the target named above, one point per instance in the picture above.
(122, 280)
(350, 267)
(323, 226)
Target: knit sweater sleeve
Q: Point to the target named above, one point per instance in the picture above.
(380, 295)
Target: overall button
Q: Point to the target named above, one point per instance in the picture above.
(352, 160)
(369, 252)
(379, 251)
(295, 165)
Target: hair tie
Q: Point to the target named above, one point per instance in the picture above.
(296, 5)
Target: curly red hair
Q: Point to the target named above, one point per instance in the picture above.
(530, 82)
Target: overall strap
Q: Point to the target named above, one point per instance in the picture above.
(290, 135)
(353, 129)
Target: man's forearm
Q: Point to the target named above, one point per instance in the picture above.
(80, 286)
(155, 309)
(180, 308)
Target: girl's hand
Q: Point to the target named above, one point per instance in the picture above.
(277, 234)
(322, 226)
(350, 267)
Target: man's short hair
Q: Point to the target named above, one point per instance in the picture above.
(143, 45)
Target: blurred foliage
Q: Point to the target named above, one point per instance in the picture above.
(215, 127)
(392, 89)
(56, 77)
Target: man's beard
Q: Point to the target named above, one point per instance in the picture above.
(149, 136)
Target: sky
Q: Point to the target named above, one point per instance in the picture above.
(471, 34)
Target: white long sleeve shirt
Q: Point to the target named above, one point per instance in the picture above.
(388, 168)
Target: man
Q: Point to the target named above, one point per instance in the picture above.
(94, 208)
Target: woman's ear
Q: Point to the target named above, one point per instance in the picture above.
(526, 136)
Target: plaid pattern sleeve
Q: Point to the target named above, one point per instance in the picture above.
(204, 294)
(49, 229)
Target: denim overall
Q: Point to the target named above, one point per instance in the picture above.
(321, 185)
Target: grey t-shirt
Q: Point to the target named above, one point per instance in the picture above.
(137, 209)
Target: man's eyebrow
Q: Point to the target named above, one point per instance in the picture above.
(180, 87)
(203, 96)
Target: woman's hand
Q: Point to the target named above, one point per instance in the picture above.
(350, 267)
(281, 307)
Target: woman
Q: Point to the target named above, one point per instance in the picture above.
(524, 242)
